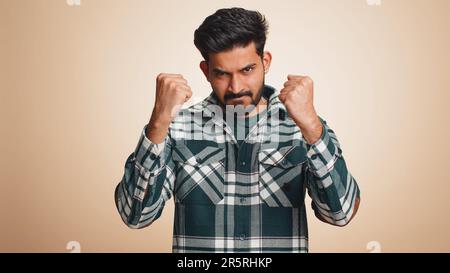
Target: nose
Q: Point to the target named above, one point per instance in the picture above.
(235, 85)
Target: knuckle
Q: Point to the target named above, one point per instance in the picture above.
(307, 80)
(171, 85)
(160, 77)
(178, 75)
(178, 88)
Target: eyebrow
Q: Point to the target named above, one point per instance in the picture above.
(218, 70)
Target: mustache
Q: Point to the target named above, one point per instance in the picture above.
(238, 95)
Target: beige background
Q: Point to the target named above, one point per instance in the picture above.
(77, 87)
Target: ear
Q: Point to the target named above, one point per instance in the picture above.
(205, 70)
(267, 59)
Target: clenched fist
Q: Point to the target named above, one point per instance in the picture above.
(297, 96)
(172, 91)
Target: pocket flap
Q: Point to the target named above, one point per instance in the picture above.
(284, 157)
(206, 154)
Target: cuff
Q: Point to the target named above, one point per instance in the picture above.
(148, 154)
(322, 154)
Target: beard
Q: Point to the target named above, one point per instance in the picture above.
(243, 94)
(240, 109)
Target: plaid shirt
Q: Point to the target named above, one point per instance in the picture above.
(231, 198)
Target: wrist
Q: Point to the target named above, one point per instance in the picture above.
(159, 123)
(312, 131)
(159, 118)
(158, 128)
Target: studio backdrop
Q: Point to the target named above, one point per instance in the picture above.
(77, 84)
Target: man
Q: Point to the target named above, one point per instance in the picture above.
(239, 163)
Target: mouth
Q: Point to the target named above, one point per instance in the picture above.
(236, 101)
(238, 98)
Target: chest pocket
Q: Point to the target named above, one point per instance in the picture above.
(280, 176)
(199, 174)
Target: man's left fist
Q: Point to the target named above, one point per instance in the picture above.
(297, 95)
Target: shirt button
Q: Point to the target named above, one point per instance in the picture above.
(243, 163)
(314, 157)
(147, 175)
(242, 200)
(284, 161)
(242, 237)
(152, 156)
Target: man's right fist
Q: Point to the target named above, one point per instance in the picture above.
(172, 91)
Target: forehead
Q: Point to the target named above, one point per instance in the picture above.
(235, 58)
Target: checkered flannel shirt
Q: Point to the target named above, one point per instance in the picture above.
(231, 198)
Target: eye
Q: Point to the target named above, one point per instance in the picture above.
(219, 73)
(247, 69)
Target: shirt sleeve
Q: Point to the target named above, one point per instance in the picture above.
(335, 193)
(147, 182)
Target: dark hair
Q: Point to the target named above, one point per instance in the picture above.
(228, 28)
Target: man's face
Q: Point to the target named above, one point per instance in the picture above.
(237, 75)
